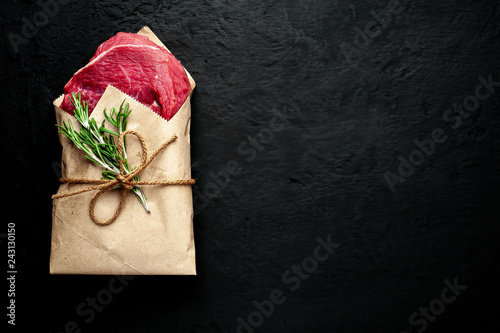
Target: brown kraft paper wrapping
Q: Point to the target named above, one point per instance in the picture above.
(137, 242)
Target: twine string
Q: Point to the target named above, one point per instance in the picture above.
(126, 181)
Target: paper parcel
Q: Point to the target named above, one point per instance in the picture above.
(136, 243)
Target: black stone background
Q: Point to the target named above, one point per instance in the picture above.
(322, 175)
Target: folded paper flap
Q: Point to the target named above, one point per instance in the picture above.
(180, 121)
(146, 31)
(57, 102)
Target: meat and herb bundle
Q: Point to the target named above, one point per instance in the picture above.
(147, 94)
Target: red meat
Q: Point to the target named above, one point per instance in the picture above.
(138, 67)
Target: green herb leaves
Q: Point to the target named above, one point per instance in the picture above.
(98, 142)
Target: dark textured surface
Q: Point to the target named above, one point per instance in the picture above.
(322, 174)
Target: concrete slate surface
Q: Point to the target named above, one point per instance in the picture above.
(369, 125)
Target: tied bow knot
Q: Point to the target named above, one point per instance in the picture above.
(125, 181)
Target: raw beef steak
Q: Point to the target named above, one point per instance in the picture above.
(138, 67)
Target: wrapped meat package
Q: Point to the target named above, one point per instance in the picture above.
(140, 70)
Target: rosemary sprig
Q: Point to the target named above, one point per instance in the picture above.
(99, 147)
